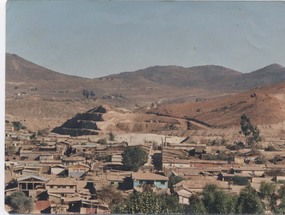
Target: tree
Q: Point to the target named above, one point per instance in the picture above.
(280, 209)
(267, 192)
(266, 189)
(251, 132)
(21, 203)
(145, 203)
(85, 93)
(18, 125)
(10, 150)
(102, 141)
(195, 206)
(217, 201)
(249, 202)
(111, 136)
(170, 204)
(110, 195)
(133, 158)
(43, 132)
(92, 94)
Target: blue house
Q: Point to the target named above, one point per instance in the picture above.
(140, 178)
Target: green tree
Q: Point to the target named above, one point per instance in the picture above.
(133, 158)
(170, 204)
(10, 150)
(249, 202)
(18, 125)
(251, 132)
(280, 209)
(281, 192)
(102, 141)
(267, 193)
(21, 203)
(217, 201)
(111, 136)
(145, 202)
(266, 189)
(110, 195)
(195, 206)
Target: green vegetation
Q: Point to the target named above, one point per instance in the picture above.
(148, 202)
(249, 202)
(237, 180)
(217, 201)
(111, 136)
(236, 146)
(251, 132)
(212, 200)
(267, 192)
(88, 93)
(110, 195)
(133, 158)
(43, 132)
(102, 141)
(195, 206)
(20, 203)
(18, 125)
(220, 156)
(10, 150)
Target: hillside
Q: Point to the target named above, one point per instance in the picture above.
(209, 77)
(265, 106)
(34, 93)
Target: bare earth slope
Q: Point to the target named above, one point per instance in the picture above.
(265, 106)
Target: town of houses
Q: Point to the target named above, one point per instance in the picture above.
(64, 174)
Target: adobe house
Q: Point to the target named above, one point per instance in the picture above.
(69, 161)
(57, 169)
(60, 188)
(77, 170)
(184, 194)
(32, 185)
(140, 178)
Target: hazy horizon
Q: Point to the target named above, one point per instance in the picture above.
(95, 39)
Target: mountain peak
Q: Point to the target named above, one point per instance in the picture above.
(273, 66)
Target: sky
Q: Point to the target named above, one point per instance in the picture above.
(98, 38)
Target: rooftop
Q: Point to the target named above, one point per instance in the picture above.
(148, 176)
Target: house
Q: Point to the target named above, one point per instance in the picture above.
(251, 169)
(77, 170)
(32, 185)
(197, 185)
(42, 206)
(140, 178)
(57, 169)
(69, 161)
(115, 179)
(184, 194)
(57, 188)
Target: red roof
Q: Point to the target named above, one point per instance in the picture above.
(42, 205)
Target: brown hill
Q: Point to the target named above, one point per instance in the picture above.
(21, 70)
(34, 93)
(265, 106)
(205, 77)
(209, 77)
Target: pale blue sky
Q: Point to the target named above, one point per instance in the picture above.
(97, 38)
